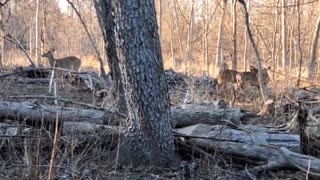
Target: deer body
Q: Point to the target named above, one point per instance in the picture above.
(226, 76)
(251, 78)
(70, 62)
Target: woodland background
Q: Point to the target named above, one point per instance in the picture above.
(196, 35)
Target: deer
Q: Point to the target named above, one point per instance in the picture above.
(251, 78)
(226, 76)
(69, 63)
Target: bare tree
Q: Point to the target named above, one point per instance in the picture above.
(313, 52)
(37, 33)
(284, 38)
(179, 31)
(219, 58)
(264, 94)
(234, 35)
(107, 25)
(274, 43)
(44, 42)
(171, 21)
(148, 139)
(298, 14)
(190, 36)
(246, 47)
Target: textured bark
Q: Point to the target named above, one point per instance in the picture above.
(148, 139)
(104, 14)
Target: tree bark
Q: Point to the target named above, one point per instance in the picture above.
(107, 25)
(148, 139)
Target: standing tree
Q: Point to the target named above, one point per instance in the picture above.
(234, 35)
(219, 58)
(106, 21)
(313, 52)
(284, 38)
(38, 33)
(148, 139)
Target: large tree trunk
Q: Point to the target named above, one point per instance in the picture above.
(104, 14)
(148, 139)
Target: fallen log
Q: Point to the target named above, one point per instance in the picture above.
(29, 111)
(77, 133)
(187, 117)
(253, 143)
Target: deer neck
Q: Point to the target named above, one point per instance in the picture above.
(51, 60)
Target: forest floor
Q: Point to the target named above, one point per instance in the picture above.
(91, 161)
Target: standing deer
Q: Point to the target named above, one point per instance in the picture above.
(70, 62)
(226, 76)
(251, 78)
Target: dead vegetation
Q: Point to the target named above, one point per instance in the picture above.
(213, 140)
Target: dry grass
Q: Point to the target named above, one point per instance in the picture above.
(78, 159)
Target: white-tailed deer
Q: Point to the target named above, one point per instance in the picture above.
(251, 77)
(226, 76)
(70, 62)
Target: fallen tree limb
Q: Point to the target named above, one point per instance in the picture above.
(307, 164)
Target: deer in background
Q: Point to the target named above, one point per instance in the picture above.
(70, 62)
(251, 78)
(226, 76)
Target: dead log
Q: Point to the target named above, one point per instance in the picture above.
(187, 117)
(246, 134)
(253, 143)
(33, 112)
(77, 133)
